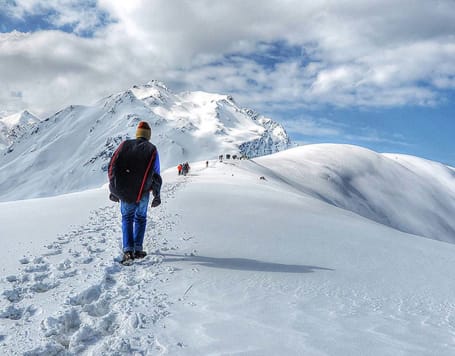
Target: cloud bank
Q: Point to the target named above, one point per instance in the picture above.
(270, 54)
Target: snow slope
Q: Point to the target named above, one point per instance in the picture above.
(241, 265)
(408, 193)
(70, 150)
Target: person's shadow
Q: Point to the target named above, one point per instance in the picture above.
(242, 264)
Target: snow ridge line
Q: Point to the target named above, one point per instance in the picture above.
(76, 298)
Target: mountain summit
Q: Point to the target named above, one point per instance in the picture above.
(14, 126)
(70, 150)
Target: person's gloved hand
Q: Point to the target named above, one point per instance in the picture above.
(113, 198)
(156, 201)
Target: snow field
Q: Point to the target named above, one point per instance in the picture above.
(77, 298)
(282, 273)
(241, 265)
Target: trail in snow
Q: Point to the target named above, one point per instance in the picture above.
(93, 304)
(308, 278)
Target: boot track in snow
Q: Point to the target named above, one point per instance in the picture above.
(76, 298)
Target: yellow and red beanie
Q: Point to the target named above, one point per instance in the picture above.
(143, 130)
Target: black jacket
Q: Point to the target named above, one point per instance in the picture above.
(132, 170)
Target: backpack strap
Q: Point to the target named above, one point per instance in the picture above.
(145, 176)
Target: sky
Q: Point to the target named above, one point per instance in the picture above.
(380, 74)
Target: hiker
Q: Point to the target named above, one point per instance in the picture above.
(179, 169)
(206, 164)
(186, 168)
(134, 171)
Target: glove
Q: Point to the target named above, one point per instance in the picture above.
(156, 201)
(157, 181)
(113, 198)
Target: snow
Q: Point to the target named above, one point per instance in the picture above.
(50, 216)
(407, 193)
(238, 264)
(13, 126)
(70, 150)
(21, 118)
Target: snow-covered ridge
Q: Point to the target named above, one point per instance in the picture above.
(70, 150)
(407, 193)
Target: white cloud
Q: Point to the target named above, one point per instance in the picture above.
(279, 54)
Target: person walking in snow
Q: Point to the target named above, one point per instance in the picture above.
(186, 168)
(134, 172)
(179, 168)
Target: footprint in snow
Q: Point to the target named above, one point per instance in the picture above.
(24, 261)
(14, 295)
(54, 249)
(94, 315)
(88, 296)
(12, 312)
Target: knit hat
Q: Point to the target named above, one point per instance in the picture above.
(143, 130)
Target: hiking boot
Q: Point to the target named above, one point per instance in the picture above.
(140, 254)
(127, 258)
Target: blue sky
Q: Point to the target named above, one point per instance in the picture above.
(83, 18)
(420, 131)
(374, 73)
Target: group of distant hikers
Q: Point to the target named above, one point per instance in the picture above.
(228, 156)
(134, 173)
(183, 168)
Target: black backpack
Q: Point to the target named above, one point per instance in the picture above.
(131, 170)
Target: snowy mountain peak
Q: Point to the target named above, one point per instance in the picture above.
(12, 127)
(21, 118)
(77, 142)
(153, 93)
(157, 84)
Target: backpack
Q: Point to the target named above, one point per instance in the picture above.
(131, 170)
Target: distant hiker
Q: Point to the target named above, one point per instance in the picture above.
(206, 164)
(179, 169)
(220, 157)
(134, 171)
(185, 168)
